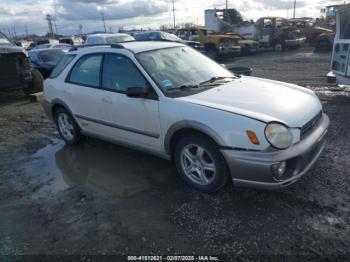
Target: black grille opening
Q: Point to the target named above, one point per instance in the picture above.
(309, 126)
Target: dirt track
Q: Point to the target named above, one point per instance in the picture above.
(99, 198)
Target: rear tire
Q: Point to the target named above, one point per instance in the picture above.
(36, 85)
(67, 127)
(279, 47)
(200, 163)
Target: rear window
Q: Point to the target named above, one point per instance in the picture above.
(65, 60)
(51, 55)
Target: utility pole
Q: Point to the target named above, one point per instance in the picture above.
(54, 22)
(174, 14)
(295, 5)
(103, 20)
(26, 30)
(49, 22)
(81, 30)
(226, 5)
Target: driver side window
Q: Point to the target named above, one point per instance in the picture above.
(120, 73)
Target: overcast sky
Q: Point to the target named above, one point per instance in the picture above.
(68, 14)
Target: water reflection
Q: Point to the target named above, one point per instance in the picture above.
(105, 168)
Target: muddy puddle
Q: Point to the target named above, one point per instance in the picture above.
(104, 168)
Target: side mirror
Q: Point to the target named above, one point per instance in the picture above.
(137, 92)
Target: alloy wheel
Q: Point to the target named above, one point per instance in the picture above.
(66, 126)
(198, 164)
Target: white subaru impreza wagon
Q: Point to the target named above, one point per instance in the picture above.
(171, 101)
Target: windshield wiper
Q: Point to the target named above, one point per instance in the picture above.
(183, 87)
(216, 79)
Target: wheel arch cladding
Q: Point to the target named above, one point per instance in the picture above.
(179, 129)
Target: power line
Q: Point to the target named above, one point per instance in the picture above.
(103, 20)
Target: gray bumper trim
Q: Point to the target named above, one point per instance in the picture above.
(254, 168)
(278, 185)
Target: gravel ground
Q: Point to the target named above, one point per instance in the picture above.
(99, 198)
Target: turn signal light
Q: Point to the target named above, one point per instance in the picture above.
(253, 137)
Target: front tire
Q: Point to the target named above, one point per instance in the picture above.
(67, 127)
(200, 163)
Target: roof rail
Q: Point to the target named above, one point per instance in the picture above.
(74, 48)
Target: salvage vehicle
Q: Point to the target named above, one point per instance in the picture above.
(71, 40)
(276, 32)
(164, 36)
(16, 72)
(247, 46)
(324, 42)
(98, 39)
(307, 27)
(341, 49)
(169, 100)
(44, 60)
(64, 47)
(215, 45)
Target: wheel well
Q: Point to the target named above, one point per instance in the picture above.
(182, 133)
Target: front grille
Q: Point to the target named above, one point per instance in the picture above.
(309, 126)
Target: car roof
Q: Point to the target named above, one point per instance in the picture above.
(39, 50)
(133, 46)
(107, 35)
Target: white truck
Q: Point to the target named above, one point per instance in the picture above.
(341, 50)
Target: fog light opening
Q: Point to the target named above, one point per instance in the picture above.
(278, 170)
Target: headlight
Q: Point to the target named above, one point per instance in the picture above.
(278, 135)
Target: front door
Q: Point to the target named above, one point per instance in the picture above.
(134, 120)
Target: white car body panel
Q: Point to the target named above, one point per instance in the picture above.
(258, 98)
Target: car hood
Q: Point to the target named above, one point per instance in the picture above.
(262, 99)
(10, 49)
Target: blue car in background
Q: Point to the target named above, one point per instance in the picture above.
(45, 60)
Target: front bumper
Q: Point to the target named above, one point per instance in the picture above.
(230, 50)
(296, 42)
(254, 169)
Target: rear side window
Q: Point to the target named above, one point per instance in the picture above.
(87, 71)
(64, 61)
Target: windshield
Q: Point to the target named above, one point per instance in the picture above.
(119, 39)
(176, 67)
(4, 41)
(51, 56)
(171, 37)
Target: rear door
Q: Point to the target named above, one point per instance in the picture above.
(83, 95)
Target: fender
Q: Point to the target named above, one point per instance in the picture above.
(192, 125)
